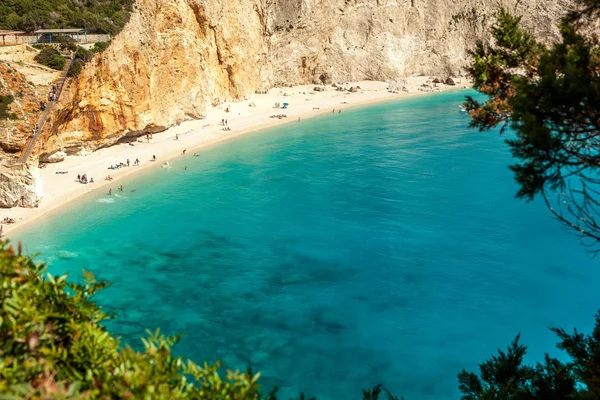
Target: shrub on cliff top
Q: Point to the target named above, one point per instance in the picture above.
(50, 57)
(100, 47)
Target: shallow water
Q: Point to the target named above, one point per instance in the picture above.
(380, 245)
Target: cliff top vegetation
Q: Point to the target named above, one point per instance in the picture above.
(97, 16)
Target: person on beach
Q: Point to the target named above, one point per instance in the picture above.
(78, 178)
(91, 180)
(121, 188)
(128, 162)
(184, 152)
(153, 158)
(225, 122)
(176, 136)
(137, 161)
(110, 192)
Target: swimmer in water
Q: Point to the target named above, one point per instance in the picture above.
(185, 168)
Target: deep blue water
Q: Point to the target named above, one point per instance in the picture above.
(380, 245)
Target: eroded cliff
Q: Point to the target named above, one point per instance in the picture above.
(177, 58)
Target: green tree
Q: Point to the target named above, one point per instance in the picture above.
(505, 376)
(549, 95)
(102, 16)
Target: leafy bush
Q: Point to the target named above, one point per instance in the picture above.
(53, 345)
(100, 47)
(5, 102)
(82, 56)
(50, 57)
(76, 68)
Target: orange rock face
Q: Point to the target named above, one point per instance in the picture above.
(172, 62)
(24, 111)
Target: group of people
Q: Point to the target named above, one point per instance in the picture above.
(8, 220)
(52, 95)
(279, 116)
(43, 105)
(127, 164)
(35, 130)
(84, 179)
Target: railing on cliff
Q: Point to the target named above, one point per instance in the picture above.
(42, 120)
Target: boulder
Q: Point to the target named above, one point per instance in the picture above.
(450, 82)
(318, 89)
(53, 157)
(353, 89)
(437, 80)
(18, 189)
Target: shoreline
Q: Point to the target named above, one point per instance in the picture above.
(60, 190)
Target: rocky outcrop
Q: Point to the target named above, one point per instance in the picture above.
(18, 189)
(20, 110)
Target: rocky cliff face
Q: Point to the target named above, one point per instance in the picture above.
(19, 108)
(177, 58)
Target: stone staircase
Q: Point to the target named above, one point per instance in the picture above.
(42, 120)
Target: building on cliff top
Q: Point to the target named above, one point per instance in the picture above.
(5, 33)
(47, 35)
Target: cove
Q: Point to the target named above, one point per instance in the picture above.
(380, 245)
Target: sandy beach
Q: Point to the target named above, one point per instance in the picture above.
(242, 118)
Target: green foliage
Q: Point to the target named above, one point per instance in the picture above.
(82, 56)
(550, 98)
(100, 47)
(5, 102)
(76, 68)
(506, 377)
(53, 345)
(50, 57)
(97, 16)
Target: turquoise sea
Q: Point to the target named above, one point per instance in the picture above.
(380, 245)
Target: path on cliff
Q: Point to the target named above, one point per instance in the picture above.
(42, 120)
